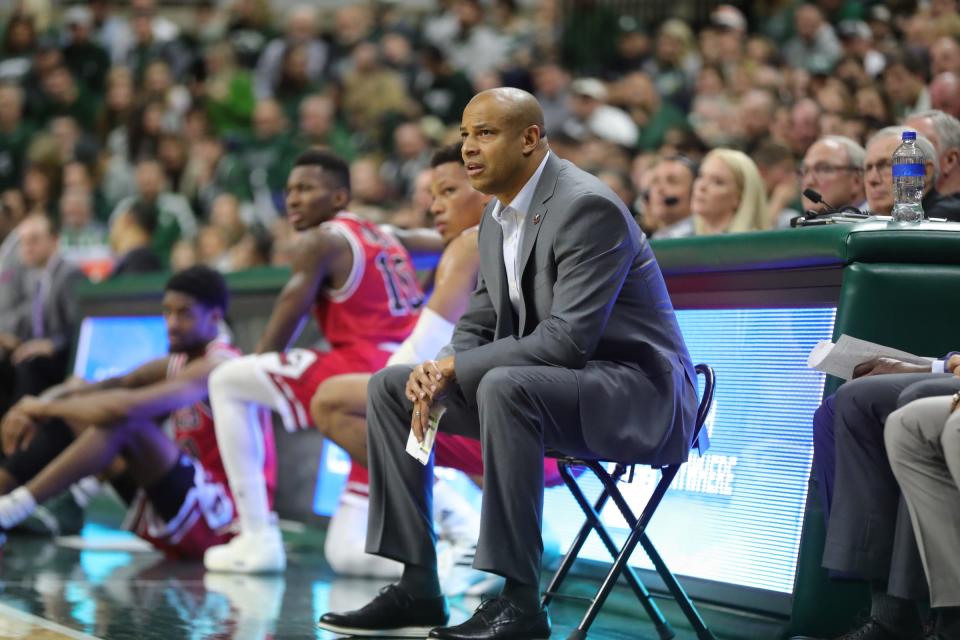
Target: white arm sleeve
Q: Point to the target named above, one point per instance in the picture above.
(432, 333)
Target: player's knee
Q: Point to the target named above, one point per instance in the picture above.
(219, 379)
(226, 375)
(123, 433)
(325, 405)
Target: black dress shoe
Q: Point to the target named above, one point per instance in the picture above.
(392, 614)
(499, 619)
(869, 630)
(873, 630)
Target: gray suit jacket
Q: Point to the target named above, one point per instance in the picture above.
(61, 313)
(12, 295)
(593, 301)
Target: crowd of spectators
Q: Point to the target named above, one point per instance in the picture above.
(161, 136)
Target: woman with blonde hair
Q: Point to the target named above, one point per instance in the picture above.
(728, 195)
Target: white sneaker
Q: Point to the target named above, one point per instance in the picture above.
(457, 575)
(345, 545)
(259, 552)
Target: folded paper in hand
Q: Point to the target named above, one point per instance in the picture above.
(421, 450)
(841, 358)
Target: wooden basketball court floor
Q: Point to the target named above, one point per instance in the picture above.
(104, 584)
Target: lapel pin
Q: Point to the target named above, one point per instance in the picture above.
(536, 218)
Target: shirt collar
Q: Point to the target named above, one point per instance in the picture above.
(522, 201)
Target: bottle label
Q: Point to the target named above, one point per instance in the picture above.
(914, 170)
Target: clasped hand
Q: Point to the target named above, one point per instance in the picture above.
(18, 425)
(427, 384)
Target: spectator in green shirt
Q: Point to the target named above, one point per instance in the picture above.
(62, 95)
(652, 115)
(174, 218)
(15, 135)
(267, 157)
(19, 44)
(295, 82)
(320, 127)
(229, 92)
(87, 60)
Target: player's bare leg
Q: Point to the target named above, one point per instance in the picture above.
(237, 389)
(150, 452)
(339, 411)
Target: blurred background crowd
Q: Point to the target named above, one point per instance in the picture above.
(155, 135)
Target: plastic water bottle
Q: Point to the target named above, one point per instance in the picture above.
(908, 172)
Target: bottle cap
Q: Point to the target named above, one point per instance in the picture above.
(909, 135)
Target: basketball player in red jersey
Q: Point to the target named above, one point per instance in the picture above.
(362, 288)
(339, 405)
(182, 504)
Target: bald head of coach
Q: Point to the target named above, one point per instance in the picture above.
(570, 343)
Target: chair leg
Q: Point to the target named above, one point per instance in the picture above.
(610, 580)
(671, 582)
(679, 594)
(664, 630)
(573, 552)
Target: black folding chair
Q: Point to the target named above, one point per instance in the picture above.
(637, 534)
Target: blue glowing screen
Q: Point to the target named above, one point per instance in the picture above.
(734, 515)
(112, 346)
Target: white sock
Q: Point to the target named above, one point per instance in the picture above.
(16, 507)
(235, 392)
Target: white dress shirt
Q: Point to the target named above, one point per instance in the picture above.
(511, 219)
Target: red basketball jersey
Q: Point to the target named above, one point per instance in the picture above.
(381, 299)
(193, 429)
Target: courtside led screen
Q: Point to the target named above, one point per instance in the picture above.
(111, 346)
(735, 514)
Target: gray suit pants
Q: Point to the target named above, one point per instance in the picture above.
(520, 411)
(869, 533)
(923, 441)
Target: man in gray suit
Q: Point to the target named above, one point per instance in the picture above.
(38, 348)
(570, 343)
(923, 442)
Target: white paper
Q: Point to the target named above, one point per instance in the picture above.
(421, 450)
(841, 358)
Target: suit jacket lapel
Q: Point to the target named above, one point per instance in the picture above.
(538, 211)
